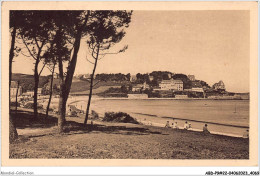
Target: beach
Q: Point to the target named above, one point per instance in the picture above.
(229, 117)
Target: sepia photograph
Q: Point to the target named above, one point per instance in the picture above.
(147, 85)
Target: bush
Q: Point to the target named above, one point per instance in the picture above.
(94, 115)
(119, 117)
(30, 106)
(14, 104)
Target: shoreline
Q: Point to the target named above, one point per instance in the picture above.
(184, 119)
(154, 124)
(150, 123)
(123, 98)
(114, 140)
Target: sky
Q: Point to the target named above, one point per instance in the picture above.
(212, 45)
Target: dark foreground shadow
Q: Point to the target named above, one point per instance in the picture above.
(25, 119)
(78, 128)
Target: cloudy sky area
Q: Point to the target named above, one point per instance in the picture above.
(212, 45)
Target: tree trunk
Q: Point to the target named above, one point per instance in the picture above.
(91, 87)
(66, 85)
(89, 101)
(12, 129)
(62, 111)
(16, 96)
(51, 90)
(35, 97)
(13, 135)
(11, 55)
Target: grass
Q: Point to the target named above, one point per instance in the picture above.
(119, 141)
(83, 86)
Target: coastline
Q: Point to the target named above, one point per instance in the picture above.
(185, 99)
(149, 123)
(157, 115)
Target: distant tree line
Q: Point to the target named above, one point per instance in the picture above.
(113, 77)
(153, 78)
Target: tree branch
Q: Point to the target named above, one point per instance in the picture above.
(36, 42)
(25, 54)
(28, 49)
(89, 61)
(42, 68)
(96, 83)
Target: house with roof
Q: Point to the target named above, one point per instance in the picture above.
(191, 77)
(219, 86)
(139, 87)
(133, 78)
(13, 89)
(175, 85)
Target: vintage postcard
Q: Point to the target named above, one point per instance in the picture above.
(129, 84)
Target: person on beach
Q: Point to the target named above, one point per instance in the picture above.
(246, 134)
(175, 125)
(205, 129)
(167, 124)
(186, 126)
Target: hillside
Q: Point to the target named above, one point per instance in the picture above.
(82, 87)
(79, 86)
(27, 81)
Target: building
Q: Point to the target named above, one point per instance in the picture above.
(86, 76)
(13, 89)
(197, 89)
(39, 91)
(196, 84)
(151, 78)
(29, 93)
(219, 86)
(176, 85)
(133, 78)
(137, 96)
(191, 77)
(181, 96)
(137, 88)
(146, 86)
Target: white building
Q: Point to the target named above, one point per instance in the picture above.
(137, 96)
(133, 78)
(13, 89)
(151, 78)
(219, 86)
(39, 91)
(181, 96)
(145, 86)
(137, 88)
(191, 77)
(171, 84)
(197, 89)
(86, 76)
(29, 93)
